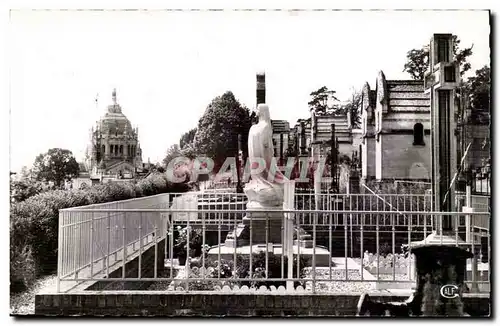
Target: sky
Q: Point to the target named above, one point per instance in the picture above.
(168, 66)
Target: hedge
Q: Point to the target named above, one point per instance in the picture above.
(34, 222)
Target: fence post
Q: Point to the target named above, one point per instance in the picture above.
(289, 233)
(60, 243)
(468, 204)
(469, 236)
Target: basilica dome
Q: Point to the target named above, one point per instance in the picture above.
(114, 121)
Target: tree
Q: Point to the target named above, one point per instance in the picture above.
(320, 99)
(253, 118)
(20, 190)
(353, 106)
(57, 165)
(189, 151)
(417, 60)
(187, 138)
(24, 186)
(478, 88)
(173, 152)
(156, 168)
(218, 129)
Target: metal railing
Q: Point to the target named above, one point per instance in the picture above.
(96, 237)
(478, 202)
(354, 254)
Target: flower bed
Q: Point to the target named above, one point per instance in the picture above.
(222, 274)
(340, 284)
(386, 264)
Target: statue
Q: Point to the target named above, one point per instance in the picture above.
(265, 189)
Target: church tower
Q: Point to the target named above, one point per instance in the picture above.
(115, 149)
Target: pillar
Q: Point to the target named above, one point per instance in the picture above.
(302, 139)
(333, 157)
(239, 187)
(261, 88)
(440, 260)
(281, 149)
(441, 82)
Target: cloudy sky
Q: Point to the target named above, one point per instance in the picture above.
(167, 66)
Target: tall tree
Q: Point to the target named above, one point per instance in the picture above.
(187, 138)
(417, 60)
(320, 100)
(56, 165)
(189, 151)
(218, 128)
(173, 152)
(353, 106)
(478, 89)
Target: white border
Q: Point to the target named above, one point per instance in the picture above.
(150, 4)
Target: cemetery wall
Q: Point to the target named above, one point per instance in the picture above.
(219, 304)
(403, 160)
(368, 159)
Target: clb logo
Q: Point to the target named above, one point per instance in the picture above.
(449, 291)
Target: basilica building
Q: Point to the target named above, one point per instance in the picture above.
(113, 152)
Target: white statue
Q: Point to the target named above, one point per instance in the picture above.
(265, 188)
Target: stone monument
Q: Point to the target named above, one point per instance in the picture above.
(264, 190)
(262, 228)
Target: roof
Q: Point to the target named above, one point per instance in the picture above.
(407, 96)
(114, 121)
(280, 126)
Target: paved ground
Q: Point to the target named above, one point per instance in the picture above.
(24, 303)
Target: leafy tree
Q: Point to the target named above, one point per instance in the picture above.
(354, 107)
(478, 90)
(57, 165)
(173, 152)
(253, 118)
(187, 138)
(156, 168)
(24, 188)
(218, 129)
(189, 151)
(320, 99)
(417, 60)
(25, 173)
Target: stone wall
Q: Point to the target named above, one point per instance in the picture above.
(219, 304)
(368, 159)
(402, 160)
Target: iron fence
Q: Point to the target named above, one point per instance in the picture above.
(96, 237)
(355, 250)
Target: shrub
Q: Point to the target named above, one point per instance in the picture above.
(24, 189)
(274, 268)
(195, 243)
(22, 268)
(228, 272)
(34, 222)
